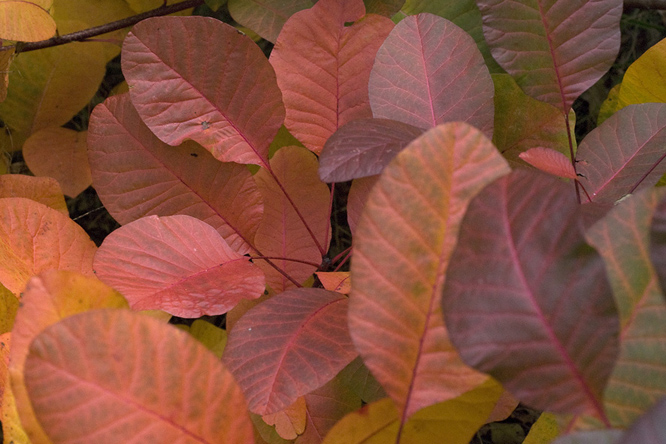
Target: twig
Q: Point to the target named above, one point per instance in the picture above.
(103, 29)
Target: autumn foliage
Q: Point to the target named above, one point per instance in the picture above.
(493, 259)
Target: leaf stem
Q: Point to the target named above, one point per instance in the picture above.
(277, 258)
(86, 34)
(571, 153)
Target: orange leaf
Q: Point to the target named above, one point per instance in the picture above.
(34, 238)
(551, 161)
(57, 152)
(358, 195)
(142, 381)
(25, 21)
(44, 190)
(335, 281)
(48, 298)
(290, 422)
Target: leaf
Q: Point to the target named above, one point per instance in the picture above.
(644, 80)
(266, 18)
(522, 122)
(428, 72)
(526, 301)
(544, 430)
(9, 304)
(35, 238)
(56, 152)
(293, 243)
(649, 428)
(387, 8)
(322, 67)
(5, 342)
(610, 105)
(168, 64)
(554, 50)
(357, 197)
(359, 379)
(49, 87)
(6, 58)
(335, 281)
(550, 161)
(592, 437)
(40, 189)
(363, 148)
(622, 238)
(214, 338)
(288, 346)
(49, 298)
(290, 422)
(506, 404)
(25, 21)
(119, 368)
(453, 422)
(178, 264)
(183, 180)
(624, 154)
(401, 250)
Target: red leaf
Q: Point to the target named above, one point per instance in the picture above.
(429, 71)
(525, 301)
(550, 161)
(288, 346)
(138, 380)
(266, 17)
(625, 153)
(554, 50)
(177, 264)
(226, 99)
(401, 250)
(282, 235)
(36, 238)
(323, 66)
(358, 195)
(136, 175)
(363, 148)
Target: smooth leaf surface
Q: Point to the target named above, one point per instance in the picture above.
(335, 281)
(593, 437)
(266, 17)
(323, 65)
(290, 422)
(644, 80)
(525, 299)
(554, 49)
(359, 379)
(624, 154)
(56, 152)
(284, 236)
(168, 64)
(401, 250)
(658, 240)
(649, 428)
(137, 175)
(44, 190)
(35, 238)
(9, 304)
(622, 238)
(49, 298)
(363, 148)
(25, 21)
(288, 346)
(357, 197)
(550, 161)
(177, 264)
(146, 380)
(428, 72)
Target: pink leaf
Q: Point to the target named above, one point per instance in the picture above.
(266, 17)
(527, 302)
(288, 346)
(116, 376)
(323, 66)
(357, 197)
(294, 247)
(554, 49)
(226, 99)
(363, 148)
(136, 175)
(649, 428)
(177, 264)
(401, 250)
(624, 154)
(429, 71)
(550, 161)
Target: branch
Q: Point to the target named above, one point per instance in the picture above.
(103, 29)
(645, 4)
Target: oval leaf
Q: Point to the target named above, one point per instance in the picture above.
(644, 80)
(44, 190)
(401, 250)
(527, 302)
(35, 238)
(550, 161)
(556, 49)
(429, 71)
(182, 180)
(363, 148)
(267, 17)
(288, 346)
(168, 63)
(177, 264)
(147, 382)
(624, 154)
(323, 65)
(25, 21)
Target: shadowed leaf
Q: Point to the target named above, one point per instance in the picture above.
(357, 197)
(649, 428)
(526, 301)
(266, 17)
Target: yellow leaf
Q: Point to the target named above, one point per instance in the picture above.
(12, 429)
(25, 21)
(9, 304)
(290, 422)
(214, 338)
(644, 80)
(610, 105)
(544, 430)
